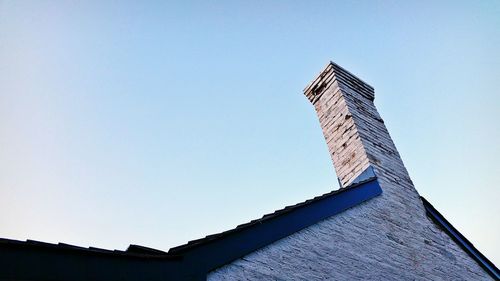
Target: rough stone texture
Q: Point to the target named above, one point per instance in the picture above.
(386, 238)
(340, 125)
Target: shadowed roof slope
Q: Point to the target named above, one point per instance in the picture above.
(32, 260)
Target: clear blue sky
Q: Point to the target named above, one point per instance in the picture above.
(156, 123)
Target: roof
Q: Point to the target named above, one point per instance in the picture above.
(357, 198)
(133, 251)
(32, 260)
(465, 244)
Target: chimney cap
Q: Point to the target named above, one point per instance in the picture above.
(334, 72)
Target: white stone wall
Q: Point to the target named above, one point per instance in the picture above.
(386, 238)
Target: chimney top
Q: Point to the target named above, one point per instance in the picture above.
(334, 72)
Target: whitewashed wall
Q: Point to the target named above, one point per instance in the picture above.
(386, 238)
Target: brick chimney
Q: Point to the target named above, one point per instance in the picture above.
(388, 237)
(354, 132)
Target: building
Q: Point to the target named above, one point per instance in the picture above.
(376, 227)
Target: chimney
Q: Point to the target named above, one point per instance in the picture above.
(354, 132)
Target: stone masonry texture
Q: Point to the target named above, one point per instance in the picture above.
(386, 238)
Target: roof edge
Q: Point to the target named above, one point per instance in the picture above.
(456, 236)
(214, 251)
(356, 183)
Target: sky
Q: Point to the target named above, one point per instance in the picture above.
(155, 123)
